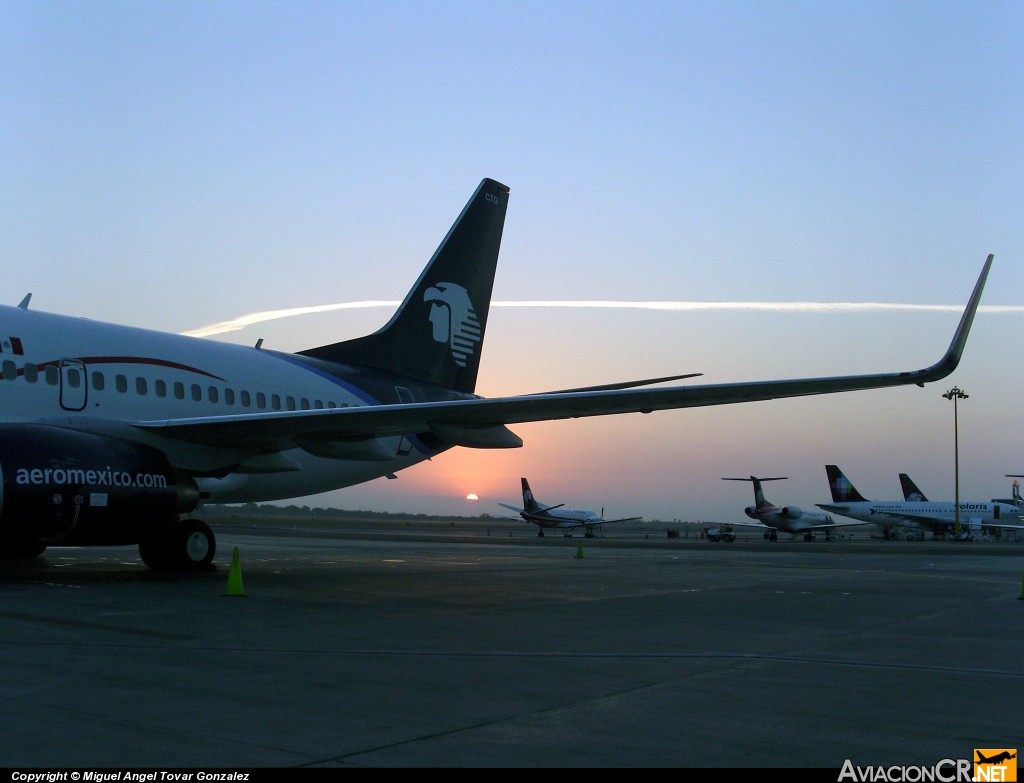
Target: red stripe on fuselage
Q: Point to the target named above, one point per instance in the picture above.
(134, 360)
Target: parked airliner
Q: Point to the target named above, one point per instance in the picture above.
(936, 517)
(789, 519)
(559, 517)
(114, 435)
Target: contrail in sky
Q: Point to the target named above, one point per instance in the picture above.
(792, 307)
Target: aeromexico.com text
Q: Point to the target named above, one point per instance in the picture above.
(106, 477)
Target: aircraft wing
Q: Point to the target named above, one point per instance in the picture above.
(523, 510)
(479, 422)
(629, 384)
(547, 508)
(833, 525)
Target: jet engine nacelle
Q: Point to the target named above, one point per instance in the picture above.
(751, 512)
(792, 512)
(64, 487)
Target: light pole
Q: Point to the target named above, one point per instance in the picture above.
(954, 394)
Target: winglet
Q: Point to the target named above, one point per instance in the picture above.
(949, 362)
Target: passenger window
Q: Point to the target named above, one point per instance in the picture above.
(291, 403)
(318, 404)
(197, 393)
(246, 400)
(31, 373)
(98, 380)
(160, 387)
(213, 394)
(10, 370)
(121, 383)
(275, 401)
(229, 396)
(179, 390)
(74, 379)
(304, 404)
(261, 400)
(52, 375)
(140, 386)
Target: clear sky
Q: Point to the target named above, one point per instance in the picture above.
(177, 164)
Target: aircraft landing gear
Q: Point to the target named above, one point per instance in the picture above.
(808, 536)
(21, 551)
(187, 545)
(773, 535)
(540, 533)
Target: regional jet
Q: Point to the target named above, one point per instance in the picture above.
(788, 519)
(115, 435)
(559, 517)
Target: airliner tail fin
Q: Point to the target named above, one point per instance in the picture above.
(842, 490)
(437, 332)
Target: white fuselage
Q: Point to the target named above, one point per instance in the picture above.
(563, 517)
(808, 520)
(928, 515)
(98, 377)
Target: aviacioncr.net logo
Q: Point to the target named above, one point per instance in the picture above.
(995, 764)
(453, 319)
(944, 771)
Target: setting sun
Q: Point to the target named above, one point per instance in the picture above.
(472, 496)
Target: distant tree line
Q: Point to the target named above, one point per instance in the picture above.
(309, 512)
(267, 510)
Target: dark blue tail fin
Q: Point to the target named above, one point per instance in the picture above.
(842, 490)
(529, 502)
(910, 490)
(438, 331)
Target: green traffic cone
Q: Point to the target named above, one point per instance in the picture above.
(235, 576)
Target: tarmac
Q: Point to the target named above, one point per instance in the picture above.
(431, 645)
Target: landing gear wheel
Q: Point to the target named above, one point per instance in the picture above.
(154, 554)
(188, 545)
(197, 544)
(22, 551)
